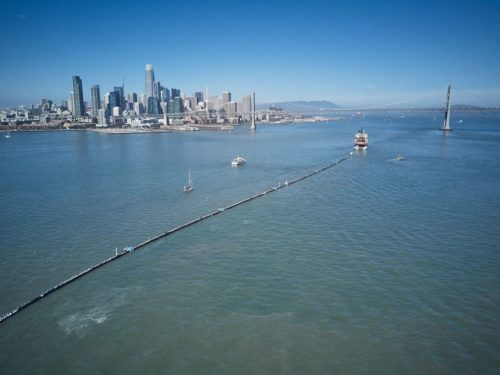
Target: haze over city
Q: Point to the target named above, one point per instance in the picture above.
(352, 53)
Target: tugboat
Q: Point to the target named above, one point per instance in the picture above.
(361, 140)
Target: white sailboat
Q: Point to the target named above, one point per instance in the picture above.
(446, 121)
(8, 134)
(188, 187)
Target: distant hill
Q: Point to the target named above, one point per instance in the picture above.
(301, 104)
(465, 107)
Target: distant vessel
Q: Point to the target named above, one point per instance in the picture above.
(238, 161)
(8, 134)
(399, 157)
(361, 140)
(188, 187)
(446, 122)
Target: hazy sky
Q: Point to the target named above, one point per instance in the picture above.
(354, 53)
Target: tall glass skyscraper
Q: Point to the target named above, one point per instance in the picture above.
(78, 104)
(121, 92)
(96, 100)
(175, 93)
(149, 81)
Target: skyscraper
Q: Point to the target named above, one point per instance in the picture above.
(149, 81)
(226, 97)
(132, 97)
(114, 100)
(121, 93)
(78, 94)
(178, 106)
(246, 106)
(175, 93)
(96, 100)
(165, 94)
(71, 103)
(157, 89)
(154, 107)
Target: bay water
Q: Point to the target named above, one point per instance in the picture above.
(373, 266)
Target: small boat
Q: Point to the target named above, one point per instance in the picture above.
(237, 161)
(8, 134)
(188, 187)
(399, 157)
(361, 140)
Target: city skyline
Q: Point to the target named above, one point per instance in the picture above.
(349, 53)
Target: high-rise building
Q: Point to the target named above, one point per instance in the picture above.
(121, 93)
(78, 94)
(96, 100)
(175, 93)
(199, 95)
(114, 101)
(246, 106)
(102, 117)
(165, 94)
(149, 81)
(226, 97)
(230, 108)
(154, 107)
(138, 108)
(193, 101)
(71, 103)
(157, 89)
(132, 97)
(178, 105)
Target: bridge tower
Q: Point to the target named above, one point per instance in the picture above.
(446, 123)
(253, 127)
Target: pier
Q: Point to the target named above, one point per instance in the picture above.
(130, 249)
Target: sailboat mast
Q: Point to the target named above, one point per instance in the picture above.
(446, 124)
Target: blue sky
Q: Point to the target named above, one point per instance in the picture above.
(354, 53)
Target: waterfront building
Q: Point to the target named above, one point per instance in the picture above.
(175, 93)
(116, 111)
(78, 97)
(102, 117)
(149, 81)
(96, 100)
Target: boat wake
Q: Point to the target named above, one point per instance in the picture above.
(80, 322)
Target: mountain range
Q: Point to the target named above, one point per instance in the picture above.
(298, 104)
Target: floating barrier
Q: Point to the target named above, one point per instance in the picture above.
(130, 249)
